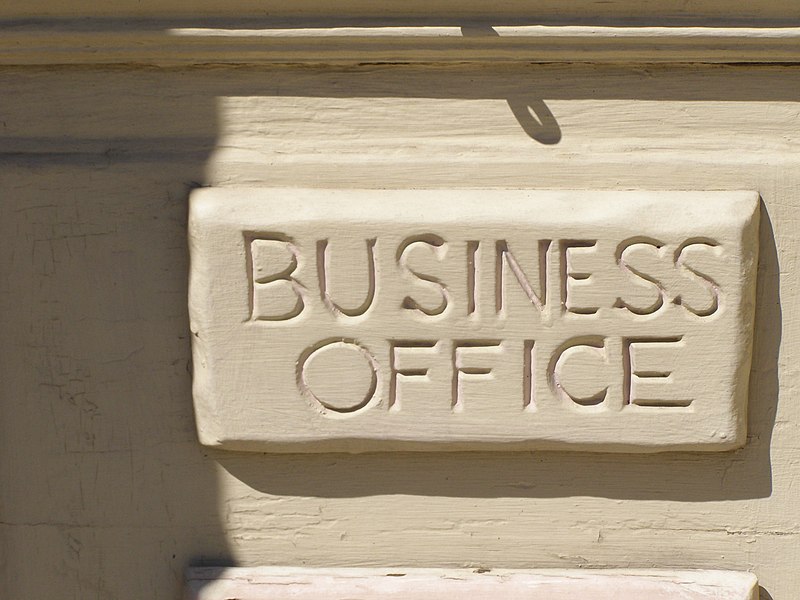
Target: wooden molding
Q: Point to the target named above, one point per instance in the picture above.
(172, 46)
(666, 12)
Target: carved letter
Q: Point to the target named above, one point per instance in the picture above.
(568, 275)
(583, 355)
(324, 281)
(655, 287)
(338, 375)
(275, 294)
(439, 249)
(395, 372)
(504, 258)
(704, 280)
(528, 379)
(462, 371)
(640, 372)
(473, 247)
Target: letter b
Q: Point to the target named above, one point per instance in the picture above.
(275, 294)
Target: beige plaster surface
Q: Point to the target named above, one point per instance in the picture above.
(106, 492)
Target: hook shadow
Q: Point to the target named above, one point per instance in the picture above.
(531, 113)
(536, 120)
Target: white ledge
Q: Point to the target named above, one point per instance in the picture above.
(542, 44)
(503, 31)
(276, 583)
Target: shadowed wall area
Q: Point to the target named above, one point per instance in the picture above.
(106, 492)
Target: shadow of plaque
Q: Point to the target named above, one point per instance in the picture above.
(689, 477)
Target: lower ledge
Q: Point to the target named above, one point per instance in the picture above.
(278, 583)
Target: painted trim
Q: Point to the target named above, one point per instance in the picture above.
(347, 45)
(278, 583)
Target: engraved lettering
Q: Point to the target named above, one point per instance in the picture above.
(463, 372)
(275, 295)
(473, 247)
(650, 287)
(584, 355)
(698, 246)
(319, 376)
(528, 380)
(396, 372)
(571, 279)
(370, 320)
(323, 262)
(437, 246)
(642, 375)
(506, 260)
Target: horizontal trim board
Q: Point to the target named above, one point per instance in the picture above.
(277, 583)
(538, 44)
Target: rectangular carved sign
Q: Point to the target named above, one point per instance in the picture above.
(356, 320)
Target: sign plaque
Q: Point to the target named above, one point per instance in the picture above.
(364, 320)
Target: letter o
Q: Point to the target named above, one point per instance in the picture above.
(334, 372)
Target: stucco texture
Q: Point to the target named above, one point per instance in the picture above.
(105, 491)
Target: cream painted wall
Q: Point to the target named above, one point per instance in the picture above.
(106, 492)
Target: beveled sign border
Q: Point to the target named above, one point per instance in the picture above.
(251, 387)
